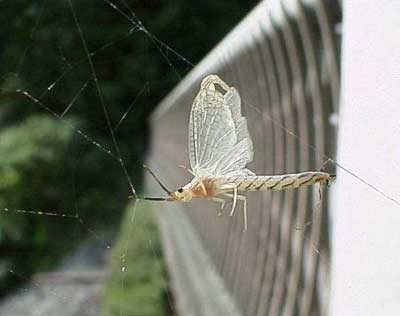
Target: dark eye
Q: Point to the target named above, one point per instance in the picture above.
(180, 190)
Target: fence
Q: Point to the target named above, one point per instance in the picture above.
(283, 58)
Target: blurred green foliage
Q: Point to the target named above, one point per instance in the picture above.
(31, 154)
(45, 165)
(142, 286)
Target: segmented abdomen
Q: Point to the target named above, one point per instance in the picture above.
(277, 182)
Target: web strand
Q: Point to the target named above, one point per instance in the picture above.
(321, 155)
(75, 98)
(157, 42)
(164, 50)
(100, 95)
(73, 66)
(31, 40)
(123, 117)
(77, 130)
(45, 213)
(115, 153)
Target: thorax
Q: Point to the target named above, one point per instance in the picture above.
(203, 187)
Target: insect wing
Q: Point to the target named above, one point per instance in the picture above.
(219, 141)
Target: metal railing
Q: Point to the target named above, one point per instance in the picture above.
(283, 58)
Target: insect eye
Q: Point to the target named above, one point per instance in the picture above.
(180, 190)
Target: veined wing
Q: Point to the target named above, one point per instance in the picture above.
(219, 141)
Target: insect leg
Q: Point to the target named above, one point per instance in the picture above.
(315, 210)
(203, 188)
(242, 198)
(245, 214)
(235, 195)
(228, 187)
(221, 201)
(319, 204)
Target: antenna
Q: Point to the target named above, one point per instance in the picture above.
(153, 198)
(148, 198)
(158, 181)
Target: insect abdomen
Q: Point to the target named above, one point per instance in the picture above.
(280, 182)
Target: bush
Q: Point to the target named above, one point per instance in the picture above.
(32, 168)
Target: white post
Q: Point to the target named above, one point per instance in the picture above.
(365, 224)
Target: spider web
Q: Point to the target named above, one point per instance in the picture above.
(92, 84)
(177, 64)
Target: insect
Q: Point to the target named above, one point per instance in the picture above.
(220, 147)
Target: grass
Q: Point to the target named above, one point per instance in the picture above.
(137, 284)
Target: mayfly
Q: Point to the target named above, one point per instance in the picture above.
(220, 147)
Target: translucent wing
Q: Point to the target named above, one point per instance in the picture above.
(219, 141)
